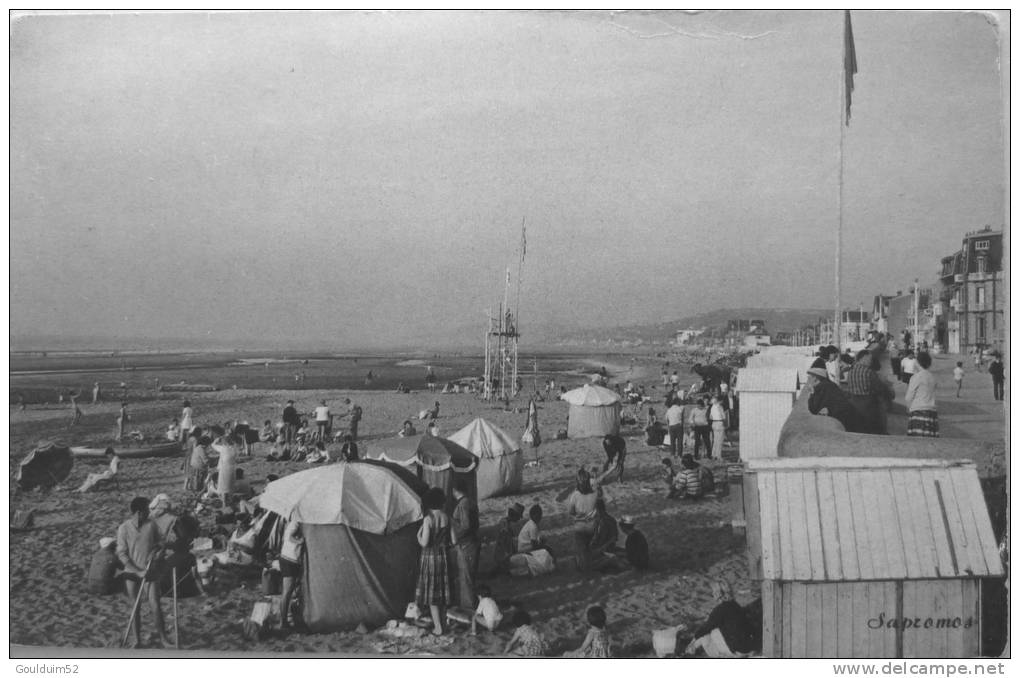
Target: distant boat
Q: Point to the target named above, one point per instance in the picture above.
(188, 387)
(133, 452)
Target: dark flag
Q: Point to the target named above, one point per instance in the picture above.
(849, 61)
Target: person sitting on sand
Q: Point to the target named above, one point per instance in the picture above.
(139, 546)
(526, 641)
(173, 431)
(487, 612)
(432, 429)
(688, 482)
(110, 473)
(635, 549)
(727, 633)
(407, 429)
(506, 541)
(604, 536)
(267, 434)
(597, 644)
(349, 450)
(529, 538)
(318, 454)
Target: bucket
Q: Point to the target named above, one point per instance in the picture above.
(664, 640)
(270, 582)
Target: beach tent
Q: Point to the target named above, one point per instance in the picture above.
(360, 522)
(436, 461)
(500, 461)
(45, 466)
(594, 411)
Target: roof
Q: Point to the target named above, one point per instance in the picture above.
(590, 395)
(486, 440)
(767, 380)
(366, 497)
(847, 519)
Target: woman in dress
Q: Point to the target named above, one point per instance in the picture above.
(186, 422)
(435, 537)
(581, 507)
(228, 449)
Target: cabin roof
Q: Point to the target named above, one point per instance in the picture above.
(850, 519)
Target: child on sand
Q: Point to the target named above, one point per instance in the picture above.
(487, 613)
(958, 377)
(526, 641)
(596, 644)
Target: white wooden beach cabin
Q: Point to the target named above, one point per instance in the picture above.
(870, 558)
(766, 395)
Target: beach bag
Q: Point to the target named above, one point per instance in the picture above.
(256, 625)
(664, 641)
(541, 562)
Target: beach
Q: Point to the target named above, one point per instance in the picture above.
(690, 542)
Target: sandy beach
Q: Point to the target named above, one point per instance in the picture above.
(690, 543)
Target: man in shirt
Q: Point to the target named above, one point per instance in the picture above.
(717, 417)
(291, 423)
(867, 393)
(322, 419)
(920, 399)
(908, 365)
(675, 424)
(826, 397)
(354, 413)
(139, 545)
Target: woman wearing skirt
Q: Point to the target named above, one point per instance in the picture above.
(920, 398)
(435, 537)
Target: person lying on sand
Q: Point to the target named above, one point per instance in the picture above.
(94, 479)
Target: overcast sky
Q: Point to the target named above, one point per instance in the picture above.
(360, 178)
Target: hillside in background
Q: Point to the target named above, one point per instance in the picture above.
(776, 320)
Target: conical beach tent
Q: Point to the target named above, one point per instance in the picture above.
(500, 461)
(437, 461)
(45, 466)
(594, 411)
(359, 521)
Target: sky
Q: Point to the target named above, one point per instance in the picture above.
(360, 179)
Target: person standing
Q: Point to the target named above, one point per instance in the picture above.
(998, 372)
(322, 419)
(139, 546)
(291, 423)
(717, 417)
(435, 538)
(122, 418)
(187, 423)
(920, 399)
(958, 377)
(75, 410)
(291, 549)
(675, 424)
(96, 394)
(464, 521)
(867, 392)
(615, 448)
(908, 365)
(702, 429)
(354, 411)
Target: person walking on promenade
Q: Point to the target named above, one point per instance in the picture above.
(998, 372)
(958, 377)
(920, 399)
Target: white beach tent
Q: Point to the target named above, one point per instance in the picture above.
(594, 411)
(500, 461)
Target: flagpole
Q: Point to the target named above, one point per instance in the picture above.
(837, 334)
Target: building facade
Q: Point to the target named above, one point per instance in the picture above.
(972, 294)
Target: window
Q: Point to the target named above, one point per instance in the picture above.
(980, 327)
(981, 295)
(982, 264)
(981, 245)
